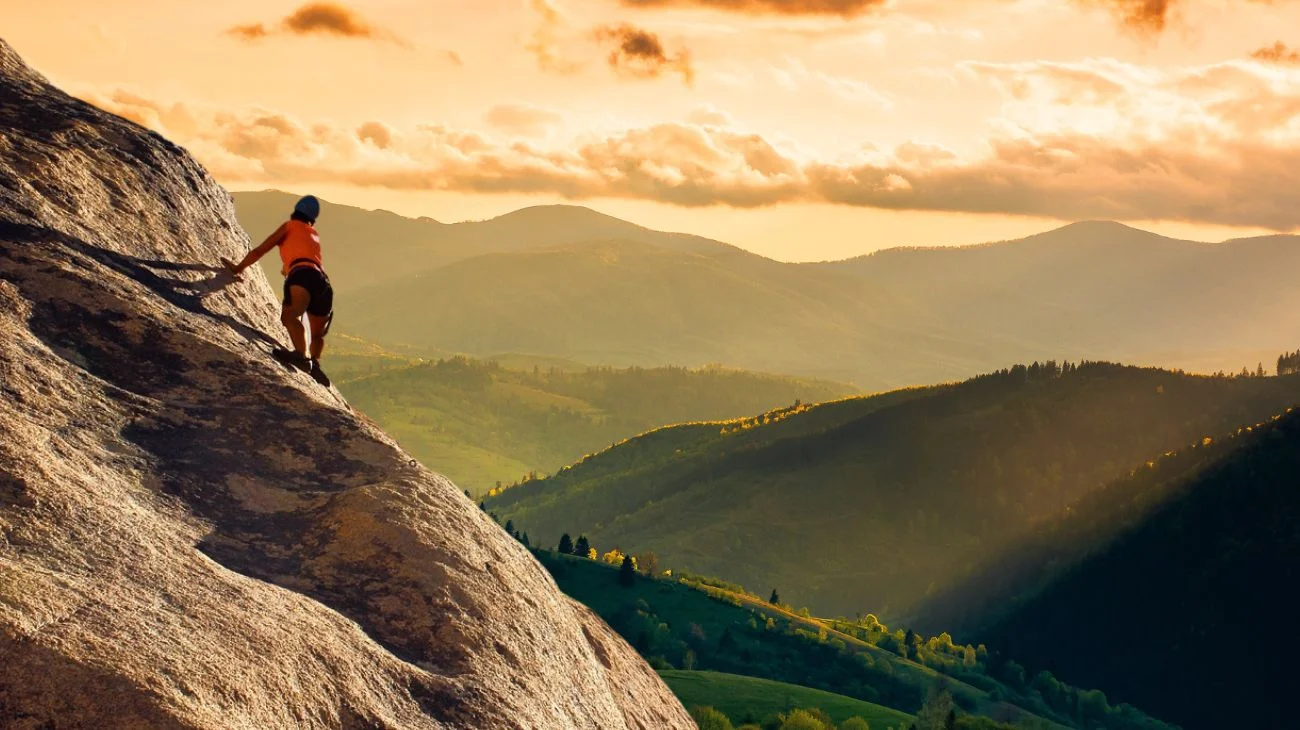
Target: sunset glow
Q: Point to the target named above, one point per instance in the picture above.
(800, 130)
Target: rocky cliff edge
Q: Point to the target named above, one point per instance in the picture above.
(192, 536)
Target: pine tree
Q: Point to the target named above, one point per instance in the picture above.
(566, 544)
(775, 598)
(524, 540)
(510, 527)
(627, 572)
(582, 547)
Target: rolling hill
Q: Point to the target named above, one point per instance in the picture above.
(720, 648)
(484, 424)
(872, 504)
(1162, 588)
(565, 281)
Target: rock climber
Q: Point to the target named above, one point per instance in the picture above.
(307, 289)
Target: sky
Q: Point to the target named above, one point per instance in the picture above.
(798, 129)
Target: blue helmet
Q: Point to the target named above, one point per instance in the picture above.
(309, 207)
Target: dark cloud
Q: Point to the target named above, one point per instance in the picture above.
(640, 53)
(1146, 15)
(1151, 15)
(845, 8)
(315, 19)
(329, 19)
(1277, 53)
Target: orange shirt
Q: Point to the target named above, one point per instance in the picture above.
(300, 242)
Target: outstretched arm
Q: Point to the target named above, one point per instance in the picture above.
(273, 240)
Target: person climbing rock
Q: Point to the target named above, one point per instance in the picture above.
(307, 289)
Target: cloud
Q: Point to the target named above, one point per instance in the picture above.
(250, 32)
(523, 120)
(320, 18)
(545, 41)
(845, 8)
(376, 133)
(640, 54)
(631, 52)
(1277, 53)
(708, 116)
(1214, 144)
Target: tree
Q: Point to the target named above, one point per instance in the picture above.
(775, 598)
(854, 723)
(566, 544)
(910, 642)
(802, 720)
(627, 571)
(934, 713)
(510, 527)
(648, 562)
(582, 547)
(710, 719)
(524, 539)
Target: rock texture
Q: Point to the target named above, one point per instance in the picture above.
(192, 536)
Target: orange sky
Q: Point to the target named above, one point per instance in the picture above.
(800, 129)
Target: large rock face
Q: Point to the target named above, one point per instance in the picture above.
(192, 536)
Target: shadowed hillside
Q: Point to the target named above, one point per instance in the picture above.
(1161, 588)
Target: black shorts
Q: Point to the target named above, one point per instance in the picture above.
(317, 285)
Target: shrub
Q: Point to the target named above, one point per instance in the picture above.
(708, 718)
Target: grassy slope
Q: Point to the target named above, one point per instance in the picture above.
(738, 696)
(688, 614)
(871, 504)
(480, 424)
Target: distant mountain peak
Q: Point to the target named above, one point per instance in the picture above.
(565, 212)
(1097, 225)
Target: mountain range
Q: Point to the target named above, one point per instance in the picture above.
(568, 282)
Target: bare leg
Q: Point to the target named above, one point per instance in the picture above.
(291, 317)
(318, 326)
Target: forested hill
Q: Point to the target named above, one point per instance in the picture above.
(483, 423)
(872, 504)
(1163, 588)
